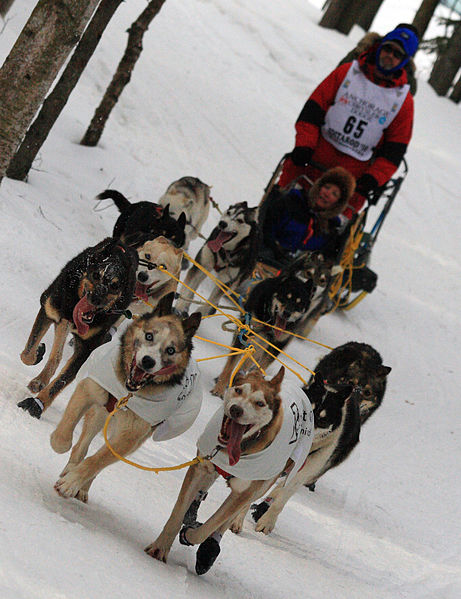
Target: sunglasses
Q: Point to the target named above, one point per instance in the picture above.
(399, 54)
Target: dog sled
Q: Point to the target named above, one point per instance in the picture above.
(354, 279)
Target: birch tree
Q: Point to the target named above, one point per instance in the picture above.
(28, 72)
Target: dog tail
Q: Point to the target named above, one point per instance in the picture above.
(120, 200)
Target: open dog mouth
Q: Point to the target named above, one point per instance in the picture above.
(138, 377)
(223, 237)
(83, 315)
(142, 291)
(280, 323)
(230, 437)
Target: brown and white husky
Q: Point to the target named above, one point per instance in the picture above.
(152, 362)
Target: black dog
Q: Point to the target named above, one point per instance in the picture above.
(142, 221)
(86, 299)
(357, 364)
(281, 302)
(348, 387)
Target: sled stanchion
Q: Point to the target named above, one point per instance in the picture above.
(274, 177)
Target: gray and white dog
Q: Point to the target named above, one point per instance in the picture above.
(230, 253)
(191, 196)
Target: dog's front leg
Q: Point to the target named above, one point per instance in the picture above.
(87, 393)
(199, 477)
(129, 434)
(33, 351)
(66, 376)
(315, 465)
(61, 330)
(242, 494)
(236, 523)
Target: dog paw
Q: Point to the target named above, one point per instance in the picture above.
(157, 552)
(36, 385)
(30, 359)
(60, 443)
(70, 485)
(265, 525)
(31, 405)
(82, 496)
(237, 524)
(207, 553)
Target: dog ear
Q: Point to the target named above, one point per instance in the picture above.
(182, 220)
(277, 380)
(165, 305)
(191, 324)
(166, 211)
(383, 371)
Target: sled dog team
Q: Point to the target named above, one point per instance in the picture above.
(266, 432)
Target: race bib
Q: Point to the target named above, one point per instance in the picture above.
(361, 112)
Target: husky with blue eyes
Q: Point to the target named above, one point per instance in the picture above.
(151, 361)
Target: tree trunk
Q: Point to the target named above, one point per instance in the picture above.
(350, 16)
(123, 74)
(40, 51)
(447, 64)
(5, 6)
(335, 13)
(455, 95)
(52, 107)
(424, 15)
(369, 12)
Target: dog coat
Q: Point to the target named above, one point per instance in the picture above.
(293, 440)
(174, 410)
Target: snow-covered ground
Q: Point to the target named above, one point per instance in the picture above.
(215, 94)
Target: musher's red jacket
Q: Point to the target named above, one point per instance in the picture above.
(389, 152)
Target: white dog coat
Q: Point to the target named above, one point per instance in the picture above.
(174, 409)
(293, 441)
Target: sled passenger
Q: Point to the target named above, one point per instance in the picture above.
(359, 117)
(302, 219)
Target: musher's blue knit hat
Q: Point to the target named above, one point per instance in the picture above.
(407, 37)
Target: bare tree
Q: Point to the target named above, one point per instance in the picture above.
(123, 74)
(335, 11)
(368, 13)
(40, 51)
(57, 99)
(447, 64)
(5, 6)
(455, 95)
(424, 15)
(342, 15)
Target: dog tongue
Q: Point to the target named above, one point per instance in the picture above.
(81, 308)
(140, 291)
(281, 323)
(216, 244)
(235, 432)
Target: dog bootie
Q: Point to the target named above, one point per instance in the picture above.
(32, 405)
(259, 509)
(190, 519)
(207, 553)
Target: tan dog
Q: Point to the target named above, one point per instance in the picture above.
(191, 196)
(255, 435)
(153, 362)
(153, 283)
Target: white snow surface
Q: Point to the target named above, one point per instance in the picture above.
(215, 95)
